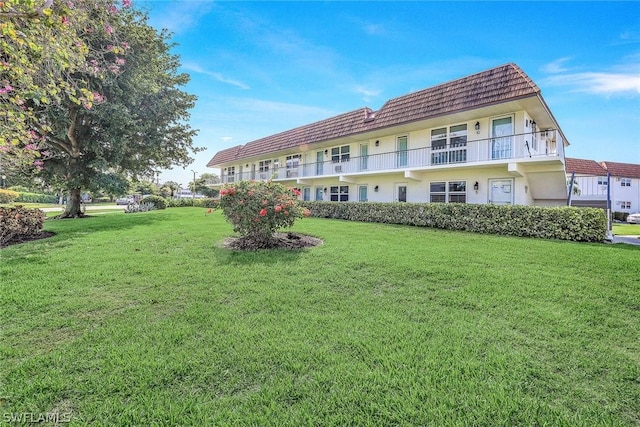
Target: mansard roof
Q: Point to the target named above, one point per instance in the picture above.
(500, 84)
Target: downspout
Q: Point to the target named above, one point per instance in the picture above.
(573, 174)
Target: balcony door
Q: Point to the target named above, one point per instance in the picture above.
(319, 162)
(364, 156)
(501, 138)
(402, 144)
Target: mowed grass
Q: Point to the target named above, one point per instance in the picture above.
(626, 229)
(143, 319)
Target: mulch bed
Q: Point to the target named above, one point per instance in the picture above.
(289, 241)
(24, 239)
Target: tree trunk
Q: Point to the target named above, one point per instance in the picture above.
(74, 207)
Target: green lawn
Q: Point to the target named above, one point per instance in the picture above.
(626, 229)
(142, 319)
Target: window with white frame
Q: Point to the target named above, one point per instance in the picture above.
(292, 162)
(264, 166)
(448, 192)
(625, 205)
(231, 174)
(339, 193)
(449, 145)
(625, 182)
(602, 180)
(340, 154)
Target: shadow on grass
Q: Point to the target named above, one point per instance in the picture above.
(262, 256)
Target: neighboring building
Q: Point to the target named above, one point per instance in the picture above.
(486, 138)
(591, 184)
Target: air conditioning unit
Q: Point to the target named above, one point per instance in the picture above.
(337, 169)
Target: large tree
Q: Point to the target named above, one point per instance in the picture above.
(42, 46)
(137, 122)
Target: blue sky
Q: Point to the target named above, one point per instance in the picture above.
(259, 68)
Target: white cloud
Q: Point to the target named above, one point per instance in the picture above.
(556, 66)
(182, 17)
(367, 93)
(601, 83)
(215, 75)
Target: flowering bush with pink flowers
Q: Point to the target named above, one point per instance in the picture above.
(257, 209)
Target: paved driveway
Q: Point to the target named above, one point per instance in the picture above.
(631, 240)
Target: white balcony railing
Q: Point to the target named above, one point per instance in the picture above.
(487, 150)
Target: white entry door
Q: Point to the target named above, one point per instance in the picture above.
(501, 191)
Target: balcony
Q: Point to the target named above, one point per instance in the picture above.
(493, 150)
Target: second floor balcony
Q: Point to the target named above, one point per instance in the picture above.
(498, 150)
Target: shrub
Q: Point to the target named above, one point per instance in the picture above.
(19, 222)
(139, 207)
(566, 223)
(620, 216)
(157, 201)
(19, 188)
(8, 196)
(36, 198)
(200, 203)
(257, 209)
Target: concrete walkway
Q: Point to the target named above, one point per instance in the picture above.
(87, 207)
(630, 240)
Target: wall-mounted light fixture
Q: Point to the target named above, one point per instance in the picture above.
(375, 188)
(477, 126)
(325, 189)
(476, 186)
(326, 152)
(247, 165)
(377, 142)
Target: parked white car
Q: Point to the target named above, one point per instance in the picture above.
(634, 218)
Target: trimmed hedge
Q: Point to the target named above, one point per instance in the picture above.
(199, 203)
(19, 222)
(8, 196)
(36, 198)
(564, 223)
(157, 202)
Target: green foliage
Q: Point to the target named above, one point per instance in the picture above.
(257, 209)
(19, 188)
(19, 222)
(157, 201)
(140, 125)
(8, 196)
(37, 198)
(199, 203)
(139, 207)
(565, 223)
(620, 216)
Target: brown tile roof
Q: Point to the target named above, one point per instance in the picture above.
(622, 170)
(225, 156)
(584, 167)
(335, 127)
(499, 84)
(489, 87)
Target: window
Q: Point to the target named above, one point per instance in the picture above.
(231, 174)
(264, 165)
(292, 162)
(340, 154)
(625, 205)
(602, 180)
(319, 194)
(625, 182)
(306, 194)
(448, 192)
(340, 194)
(455, 151)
